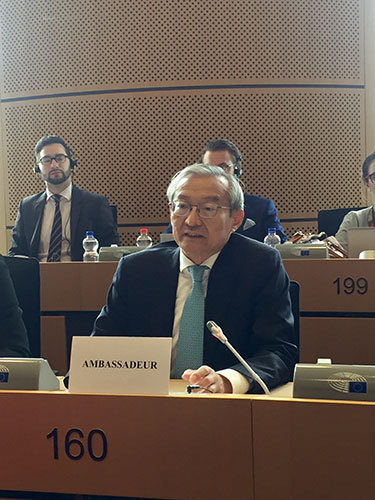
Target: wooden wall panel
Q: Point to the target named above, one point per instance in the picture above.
(50, 45)
(299, 147)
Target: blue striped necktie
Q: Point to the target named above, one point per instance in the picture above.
(190, 340)
(54, 251)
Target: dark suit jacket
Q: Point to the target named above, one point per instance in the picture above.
(247, 295)
(13, 336)
(263, 213)
(88, 212)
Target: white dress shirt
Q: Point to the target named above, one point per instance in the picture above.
(240, 383)
(48, 216)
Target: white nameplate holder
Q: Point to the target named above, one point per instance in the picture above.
(120, 365)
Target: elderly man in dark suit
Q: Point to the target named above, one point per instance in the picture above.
(237, 282)
(51, 225)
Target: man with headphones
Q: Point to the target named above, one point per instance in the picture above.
(52, 224)
(260, 213)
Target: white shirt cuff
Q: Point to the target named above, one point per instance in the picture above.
(240, 383)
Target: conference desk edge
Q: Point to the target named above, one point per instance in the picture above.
(227, 453)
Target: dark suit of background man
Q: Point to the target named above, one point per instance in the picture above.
(246, 287)
(260, 213)
(81, 210)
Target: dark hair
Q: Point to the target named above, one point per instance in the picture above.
(51, 139)
(224, 145)
(366, 165)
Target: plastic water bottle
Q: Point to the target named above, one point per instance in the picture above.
(144, 240)
(272, 239)
(90, 245)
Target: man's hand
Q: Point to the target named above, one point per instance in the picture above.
(207, 377)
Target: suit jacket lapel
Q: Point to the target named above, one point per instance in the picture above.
(162, 317)
(220, 300)
(37, 218)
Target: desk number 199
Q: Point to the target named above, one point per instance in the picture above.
(74, 446)
(350, 286)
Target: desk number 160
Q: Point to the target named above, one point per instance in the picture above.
(74, 446)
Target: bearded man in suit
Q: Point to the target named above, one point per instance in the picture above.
(52, 224)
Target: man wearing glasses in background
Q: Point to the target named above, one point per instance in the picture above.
(214, 274)
(260, 213)
(52, 224)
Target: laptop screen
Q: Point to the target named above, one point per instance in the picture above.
(359, 239)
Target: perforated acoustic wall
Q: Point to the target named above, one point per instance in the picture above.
(137, 89)
(126, 43)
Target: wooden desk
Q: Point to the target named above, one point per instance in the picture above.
(188, 447)
(337, 306)
(334, 285)
(326, 285)
(71, 295)
(337, 302)
(75, 286)
(167, 447)
(310, 450)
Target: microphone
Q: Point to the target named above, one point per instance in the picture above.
(217, 332)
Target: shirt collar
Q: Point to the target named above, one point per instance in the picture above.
(185, 262)
(67, 193)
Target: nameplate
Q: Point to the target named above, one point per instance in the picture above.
(27, 374)
(324, 380)
(303, 250)
(120, 365)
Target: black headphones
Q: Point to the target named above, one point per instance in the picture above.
(236, 153)
(226, 145)
(238, 170)
(73, 164)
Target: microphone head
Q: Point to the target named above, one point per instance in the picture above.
(216, 331)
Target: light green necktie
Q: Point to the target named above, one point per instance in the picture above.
(190, 341)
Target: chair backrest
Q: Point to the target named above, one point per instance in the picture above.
(24, 272)
(294, 297)
(329, 220)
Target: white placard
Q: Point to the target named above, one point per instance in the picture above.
(120, 365)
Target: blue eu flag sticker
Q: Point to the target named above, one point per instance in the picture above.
(358, 387)
(4, 377)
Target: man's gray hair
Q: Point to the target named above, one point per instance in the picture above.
(234, 190)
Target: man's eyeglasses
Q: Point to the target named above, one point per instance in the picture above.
(371, 178)
(47, 160)
(226, 166)
(205, 210)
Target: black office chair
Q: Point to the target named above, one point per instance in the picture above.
(26, 280)
(294, 297)
(329, 220)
